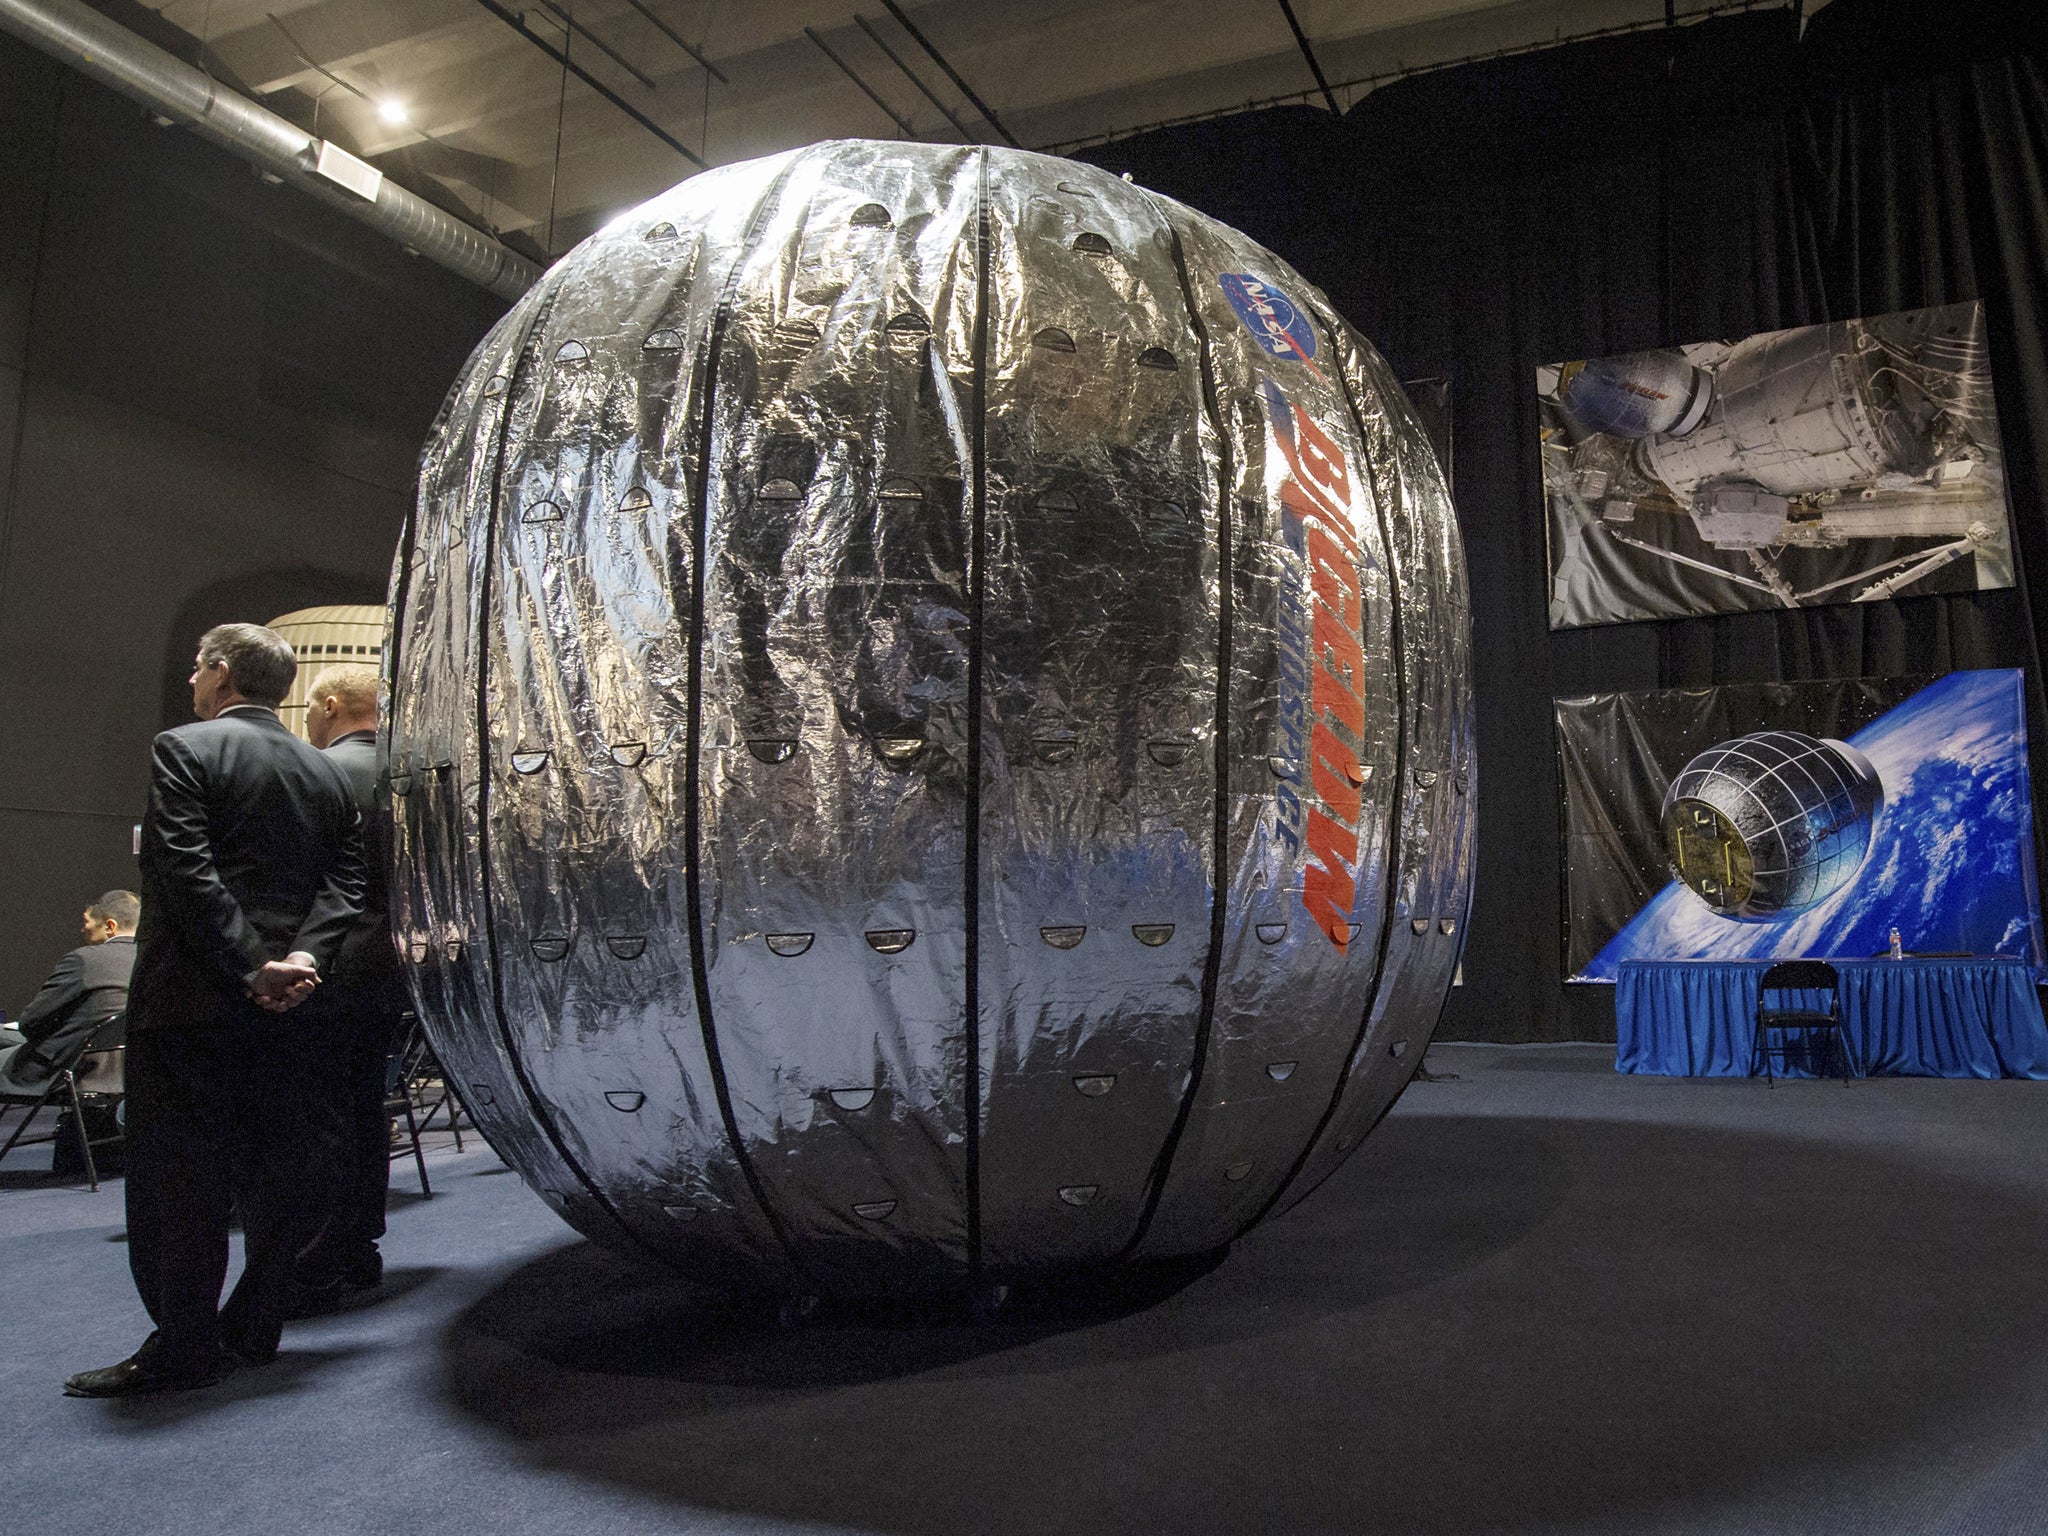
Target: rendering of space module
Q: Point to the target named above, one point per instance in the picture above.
(1770, 823)
(1823, 437)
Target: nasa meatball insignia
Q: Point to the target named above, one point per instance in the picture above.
(1270, 316)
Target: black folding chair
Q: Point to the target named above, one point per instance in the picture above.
(434, 1094)
(402, 1099)
(1795, 1021)
(420, 1091)
(83, 1075)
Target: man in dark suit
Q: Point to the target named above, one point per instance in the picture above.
(357, 1012)
(85, 992)
(251, 878)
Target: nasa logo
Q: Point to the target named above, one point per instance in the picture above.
(1322, 665)
(1278, 326)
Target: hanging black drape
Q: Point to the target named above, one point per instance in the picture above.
(1677, 185)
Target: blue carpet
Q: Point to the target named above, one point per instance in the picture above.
(1542, 1298)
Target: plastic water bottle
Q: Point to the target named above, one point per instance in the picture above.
(1898, 948)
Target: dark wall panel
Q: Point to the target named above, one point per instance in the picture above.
(177, 282)
(10, 419)
(218, 389)
(82, 856)
(132, 535)
(28, 116)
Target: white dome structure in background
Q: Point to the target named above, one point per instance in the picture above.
(350, 633)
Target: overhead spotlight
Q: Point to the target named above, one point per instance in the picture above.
(392, 110)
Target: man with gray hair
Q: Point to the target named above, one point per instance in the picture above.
(252, 876)
(83, 997)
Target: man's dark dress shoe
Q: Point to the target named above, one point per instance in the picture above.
(365, 1270)
(132, 1378)
(315, 1300)
(334, 1292)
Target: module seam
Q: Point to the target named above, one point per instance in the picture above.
(1212, 965)
(976, 612)
(1396, 807)
(693, 900)
(394, 629)
(488, 909)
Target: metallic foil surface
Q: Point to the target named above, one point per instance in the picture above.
(931, 727)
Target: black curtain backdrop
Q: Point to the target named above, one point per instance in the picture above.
(1668, 186)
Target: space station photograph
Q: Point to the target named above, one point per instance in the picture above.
(1849, 462)
(1787, 820)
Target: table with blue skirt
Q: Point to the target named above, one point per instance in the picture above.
(1971, 1016)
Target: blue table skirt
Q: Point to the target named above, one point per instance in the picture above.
(1977, 1017)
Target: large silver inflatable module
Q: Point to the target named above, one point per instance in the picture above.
(930, 727)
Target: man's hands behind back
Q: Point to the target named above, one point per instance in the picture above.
(281, 985)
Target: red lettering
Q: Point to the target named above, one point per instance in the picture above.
(1327, 889)
(1318, 490)
(1305, 503)
(1321, 461)
(1335, 582)
(1331, 685)
(1331, 843)
(1306, 500)
(1334, 770)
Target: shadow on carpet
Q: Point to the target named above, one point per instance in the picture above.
(1481, 1322)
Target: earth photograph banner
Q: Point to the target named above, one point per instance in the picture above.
(1841, 463)
(1787, 820)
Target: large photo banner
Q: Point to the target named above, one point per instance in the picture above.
(1838, 463)
(1784, 820)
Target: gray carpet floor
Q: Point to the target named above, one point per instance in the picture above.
(1541, 1298)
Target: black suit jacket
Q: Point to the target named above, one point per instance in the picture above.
(86, 989)
(368, 961)
(250, 851)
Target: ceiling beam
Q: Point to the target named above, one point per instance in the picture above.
(560, 56)
(671, 34)
(987, 112)
(890, 54)
(176, 92)
(1308, 53)
(571, 25)
(847, 69)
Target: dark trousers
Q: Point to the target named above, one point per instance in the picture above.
(214, 1126)
(351, 1041)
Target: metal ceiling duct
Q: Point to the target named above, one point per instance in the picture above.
(71, 31)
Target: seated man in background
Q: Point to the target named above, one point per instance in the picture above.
(88, 987)
(352, 1021)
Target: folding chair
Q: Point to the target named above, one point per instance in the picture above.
(1794, 1015)
(420, 1090)
(433, 1092)
(402, 1098)
(82, 1074)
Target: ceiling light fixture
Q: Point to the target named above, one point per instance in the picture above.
(392, 110)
